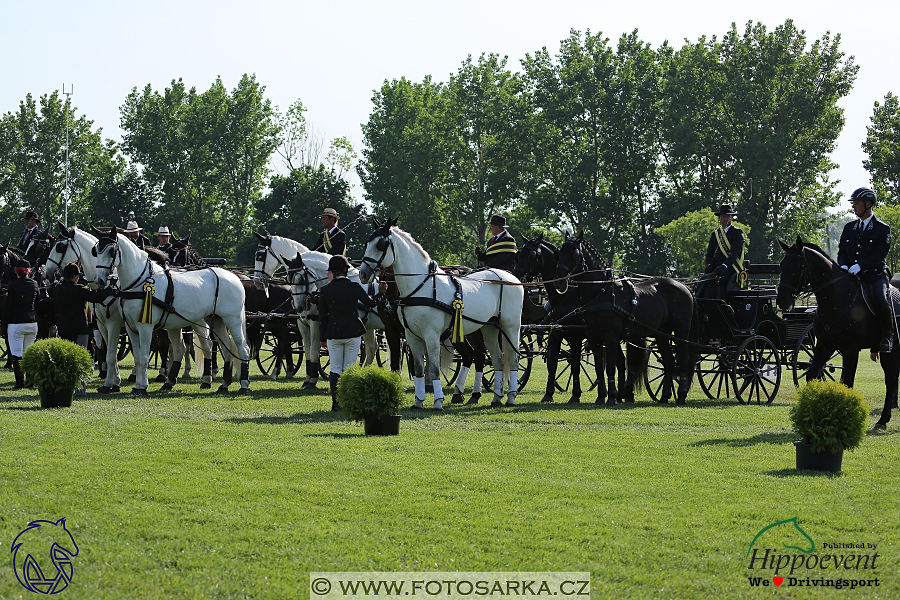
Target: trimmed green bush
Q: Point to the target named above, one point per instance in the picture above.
(55, 363)
(365, 392)
(829, 416)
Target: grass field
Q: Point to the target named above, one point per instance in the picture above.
(203, 495)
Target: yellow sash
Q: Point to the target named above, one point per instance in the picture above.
(327, 242)
(501, 247)
(738, 266)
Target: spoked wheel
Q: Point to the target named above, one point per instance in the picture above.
(714, 374)
(527, 343)
(802, 357)
(563, 381)
(655, 377)
(756, 375)
(268, 360)
(124, 346)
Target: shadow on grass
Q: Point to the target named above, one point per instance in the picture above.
(762, 438)
(23, 408)
(782, 473)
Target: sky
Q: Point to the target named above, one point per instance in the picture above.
(333, 55)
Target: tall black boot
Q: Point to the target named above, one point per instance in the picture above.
(17, 369)
(333, 381)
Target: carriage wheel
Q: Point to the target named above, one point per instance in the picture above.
(713, 374)
(802, 357)
(267, 358)
(655, 377)
(4, 349)
(756, 374)
(563, 380)
(124, 346)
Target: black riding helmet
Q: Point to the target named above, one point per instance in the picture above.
(865, 194)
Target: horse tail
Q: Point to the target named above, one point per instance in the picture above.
(637, 358)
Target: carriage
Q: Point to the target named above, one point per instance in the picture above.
(745, 344)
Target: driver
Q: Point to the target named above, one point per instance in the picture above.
(863, 247)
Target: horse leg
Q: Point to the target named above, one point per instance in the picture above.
(188, 336)
(459, 386)
(206, 349)
(476, 340)
(163, 348)
(851, 360)
(575, 345)
(554, 342)
(510, 345)
(176, 343)
(417, 356)
(890, 365)
(433, 371)
(368, 339)
(310, 333)
(393, 341)
(493, 347)
(236, 328)
(140, 345)
(110, 335)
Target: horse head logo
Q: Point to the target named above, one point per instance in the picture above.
(785, 532)
(30, 550)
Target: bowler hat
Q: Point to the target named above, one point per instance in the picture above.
(330, 212)
(498, 221)
(725, 209)
(338, 264)
(32, 215)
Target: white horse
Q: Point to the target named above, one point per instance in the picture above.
(198, 294)
(487, 302)
(75, 245)
(274, 252)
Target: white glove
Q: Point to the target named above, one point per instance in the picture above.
(845, 267)
(854, 269)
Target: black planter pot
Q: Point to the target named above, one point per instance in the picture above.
(816, 461)
(61, 398)
(385, 425)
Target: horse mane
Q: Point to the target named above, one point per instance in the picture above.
(412, 242)
(595, 254)
(157, 256)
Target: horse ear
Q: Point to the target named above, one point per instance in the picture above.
(524, 239)
(187, 240)
(799, 241)
(114, 232)
(784, 246)
(540, 237)
(580, 235)
(97, 232)
(259, 236)
(376, 222)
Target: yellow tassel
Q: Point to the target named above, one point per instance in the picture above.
(90, 315)
(147, 308)
(457, 334)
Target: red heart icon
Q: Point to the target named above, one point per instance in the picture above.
(778, 580)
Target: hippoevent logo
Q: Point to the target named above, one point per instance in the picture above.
(782, 554)
(42, 556)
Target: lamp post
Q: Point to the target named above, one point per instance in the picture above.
(68, 100)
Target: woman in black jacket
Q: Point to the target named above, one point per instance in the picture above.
(19, 317)
(339, 322)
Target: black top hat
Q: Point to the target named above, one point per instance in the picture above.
(498, 221)
(338, 263)
(725, 209)
(32, 215)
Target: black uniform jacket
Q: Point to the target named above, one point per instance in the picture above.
(867, 248)
(337, 240)
(21, 295)
(30, 235)
(338, 317)
(70, 301)
(501, 259)
(714, 255)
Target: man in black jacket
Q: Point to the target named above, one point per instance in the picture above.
(724, 256)
(500, 251)
(339, 322)
(32, 231)
(332, 240)
(863, 247)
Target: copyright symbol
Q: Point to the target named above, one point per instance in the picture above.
(320, 586)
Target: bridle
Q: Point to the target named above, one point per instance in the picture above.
(802, 284)
(384, 244)
(262, 254)
(62, 246)
(534, 249)
(304, 277)
(148, 269)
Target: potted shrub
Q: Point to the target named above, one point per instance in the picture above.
(830, 418)
(371, 395)
(57, 367)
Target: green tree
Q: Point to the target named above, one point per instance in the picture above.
(33, 161)
(688, 239)
(883, 147)
(761, 127)
(405, 166)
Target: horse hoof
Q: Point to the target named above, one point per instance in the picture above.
(437, 408)
(457, 399)
(416, 407)
(139, 392)
(308, 385)
(681, 402)
(160, 378)
(243, 391)
(513, 403)
(109, 389)
(612, 402)
(574, 400)
(167, 387)
(879, 426)
(206, 386)
(547, 399)
(496, 404)
(222, 388)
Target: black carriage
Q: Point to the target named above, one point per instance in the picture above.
(746, 343)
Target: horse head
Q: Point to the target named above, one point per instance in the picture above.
(571, 257)
(30, 556)
(378, 245)
(106, 250)
(530, 259)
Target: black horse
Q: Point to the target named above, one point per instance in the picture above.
(538, 258)
(616, 310)
(842, 321)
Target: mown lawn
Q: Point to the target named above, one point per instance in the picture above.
(202, 495)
